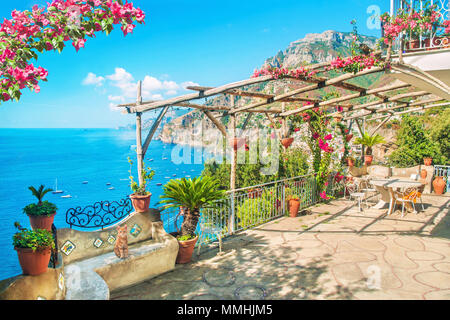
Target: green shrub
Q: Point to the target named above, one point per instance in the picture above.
(257, 210)
(33, 239)
(44, 209)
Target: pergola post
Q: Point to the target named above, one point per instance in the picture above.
(233, 169)
(140, 156)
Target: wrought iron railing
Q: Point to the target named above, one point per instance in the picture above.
(99, 215)
(250, 207)
(435, 39)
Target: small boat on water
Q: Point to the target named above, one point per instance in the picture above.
(166, 177)
(85, 182)
(56, 191)
(151, 160)
(112, 188)
(159, 184)
(67, 196)
(165, 158)
(108, 184)
(174, 175)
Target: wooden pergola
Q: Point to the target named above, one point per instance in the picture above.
(385, 101)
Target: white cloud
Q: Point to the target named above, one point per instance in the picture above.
(123, 87)
(186, 84)
(92, 79)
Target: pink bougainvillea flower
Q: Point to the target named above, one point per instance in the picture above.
(324, 196)
(328, 137)
(315, 135)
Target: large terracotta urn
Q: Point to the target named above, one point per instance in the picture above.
(427, 161)
(439, 185)
(294, 206)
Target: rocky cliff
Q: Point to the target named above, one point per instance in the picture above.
(313, 48)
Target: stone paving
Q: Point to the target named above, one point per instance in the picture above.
(335, 252)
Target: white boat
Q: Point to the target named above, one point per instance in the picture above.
(56, 191)
(67, 196)
(112, 188)
(167, 177)
(165, 158)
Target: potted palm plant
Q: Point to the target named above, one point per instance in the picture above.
(43, 213)
(190, 195)
(369, 141)
(34, 248)
(140, 197)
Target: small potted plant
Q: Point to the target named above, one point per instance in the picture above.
(141, 197)
(190, 196)
(43, 213)
(427, 161)
(369, 141)
(351, 161)
(34, 248)
(293, 201)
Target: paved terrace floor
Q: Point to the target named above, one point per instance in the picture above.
(335, 252)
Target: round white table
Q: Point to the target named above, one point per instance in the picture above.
(386, 188)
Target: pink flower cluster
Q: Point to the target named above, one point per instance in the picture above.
(409, 21)
(324, 196)
(365, 62)
(279, 73)
(46, 29)
(447, 26)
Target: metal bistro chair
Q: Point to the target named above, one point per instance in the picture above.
(207, 228)
(410, 195)
(357, 195)
(366, 187)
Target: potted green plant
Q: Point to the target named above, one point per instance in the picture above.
(141, 197)
(351, 161)
(293, 201)
(369, 141)
(34, 248)
(190, 195)
(41, 214)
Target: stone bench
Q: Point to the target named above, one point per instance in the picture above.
(92, 269)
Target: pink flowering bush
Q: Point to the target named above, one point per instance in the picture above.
(410, 21)
(28, 33)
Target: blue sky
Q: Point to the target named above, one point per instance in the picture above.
(204, 42)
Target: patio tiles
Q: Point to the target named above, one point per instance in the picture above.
(335, 252)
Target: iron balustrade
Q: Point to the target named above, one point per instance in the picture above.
(100, 214)
(249, 207)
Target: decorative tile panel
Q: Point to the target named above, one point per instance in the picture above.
(68, 247)
(98, 243)
(136, 230)
(111, 239)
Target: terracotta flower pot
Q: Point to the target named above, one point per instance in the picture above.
(349, 137)
(350, 162)
(287, 142)
(236, 143)
(42, 222)
(423, 174)
(33, 263)
(141, 203)
(294, 205)
(368, 159)
(439, 185)
(427, 161)
(186, 248)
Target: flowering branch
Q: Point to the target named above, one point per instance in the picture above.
(47, 29)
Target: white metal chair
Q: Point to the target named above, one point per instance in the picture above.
(366, 187)
(209, 228)
(356, 194)
(410, 195)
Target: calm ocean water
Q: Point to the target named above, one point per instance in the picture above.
(31, 157)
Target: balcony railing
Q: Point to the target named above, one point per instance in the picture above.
(250, 207)
(435, 39)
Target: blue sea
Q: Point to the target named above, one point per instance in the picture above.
(31, 157)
